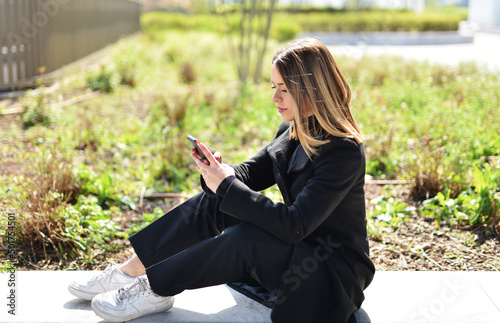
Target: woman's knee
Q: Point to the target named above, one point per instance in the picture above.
(256, 241)
(248, 232)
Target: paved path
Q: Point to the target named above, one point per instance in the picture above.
(393, 297)
(484, 50)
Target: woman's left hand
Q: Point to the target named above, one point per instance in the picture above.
(214, 172)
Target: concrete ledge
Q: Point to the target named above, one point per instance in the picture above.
(43, 296)
(391, 38)
(444, 297)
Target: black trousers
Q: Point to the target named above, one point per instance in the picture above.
(185, 249)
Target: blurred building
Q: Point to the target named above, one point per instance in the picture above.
(485, 12)
(484, 16)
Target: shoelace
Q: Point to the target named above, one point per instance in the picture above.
(106, 271)
(140, 285)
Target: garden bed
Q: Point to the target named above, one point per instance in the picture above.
(72, 174)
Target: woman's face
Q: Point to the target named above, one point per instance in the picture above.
(281, 96)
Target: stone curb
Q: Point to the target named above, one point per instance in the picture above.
(391, 38)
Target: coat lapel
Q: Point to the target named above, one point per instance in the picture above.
(281, 150)
(299, 160)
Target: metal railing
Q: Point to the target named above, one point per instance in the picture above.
(39, 36)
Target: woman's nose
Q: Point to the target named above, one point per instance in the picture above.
(276, 96)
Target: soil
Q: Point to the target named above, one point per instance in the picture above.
(419, 244)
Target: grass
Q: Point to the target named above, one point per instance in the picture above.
(71, 179)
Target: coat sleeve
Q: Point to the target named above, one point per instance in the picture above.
(257, 173)
(335, 171)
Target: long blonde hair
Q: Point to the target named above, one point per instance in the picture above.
(316, 85)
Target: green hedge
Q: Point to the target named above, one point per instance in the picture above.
(287, 26)
(155, 21)
(374, 21)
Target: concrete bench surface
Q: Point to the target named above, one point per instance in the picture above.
(404, 296)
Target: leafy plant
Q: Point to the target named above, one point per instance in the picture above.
(35, 109)
(443, 208)
(101, 81)
(473, 207)
(486, 183)
(146, 219)
(389, 210)
(89, 227)
(102, 186)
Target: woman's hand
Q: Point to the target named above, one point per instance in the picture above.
(212, 170)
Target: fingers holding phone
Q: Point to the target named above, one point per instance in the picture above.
(210, 167)
(218, 156)
(196, 149)
(199, 153)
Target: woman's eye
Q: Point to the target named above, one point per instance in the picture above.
(283, 90)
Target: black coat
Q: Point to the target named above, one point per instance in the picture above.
(323, 216)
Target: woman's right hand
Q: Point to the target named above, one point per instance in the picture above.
(217, 155)
(212, 170)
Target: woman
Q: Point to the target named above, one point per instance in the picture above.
(310, 252)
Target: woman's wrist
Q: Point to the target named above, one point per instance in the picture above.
(224, 185)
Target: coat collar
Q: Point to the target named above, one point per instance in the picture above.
(280, 150)
(288, 157)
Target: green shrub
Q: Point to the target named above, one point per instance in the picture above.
(374, 21)
(475, 206)
(102, 186)
(486, 183)
(35, 109)
(284, 31)
(101, 81)
(89, 227)
(152, 22)
(287, 24)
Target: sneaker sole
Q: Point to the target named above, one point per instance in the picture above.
(81, 294)
(112, 318)
(88, 295)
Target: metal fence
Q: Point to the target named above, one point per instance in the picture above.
(43, 35)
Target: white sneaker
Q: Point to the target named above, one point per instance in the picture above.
(111, 279)
(130, 302)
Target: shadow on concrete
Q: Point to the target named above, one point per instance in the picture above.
(183, 315)
(362, 316)
(236, 313)
(78, 304)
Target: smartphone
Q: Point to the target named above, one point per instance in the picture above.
(193, 141)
